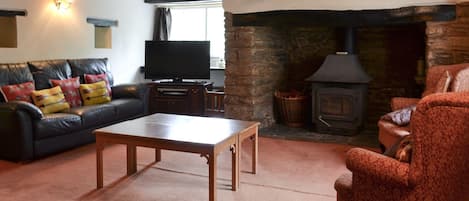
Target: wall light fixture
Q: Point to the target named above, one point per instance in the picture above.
(63, 5)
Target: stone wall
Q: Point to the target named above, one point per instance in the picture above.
(448, 42)
(254, 68)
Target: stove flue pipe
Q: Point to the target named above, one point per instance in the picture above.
(349, 40)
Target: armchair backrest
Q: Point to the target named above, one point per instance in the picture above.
(434, 74)
(440, 161)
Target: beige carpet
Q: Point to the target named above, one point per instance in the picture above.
(288, 171)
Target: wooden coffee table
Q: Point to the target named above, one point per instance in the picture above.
(203, 135)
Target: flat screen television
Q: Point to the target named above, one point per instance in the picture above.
(177, 60)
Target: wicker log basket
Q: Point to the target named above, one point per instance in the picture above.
(291, 107)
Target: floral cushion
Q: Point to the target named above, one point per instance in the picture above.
(70, 89)
(89, 79)
(402, 149)
(18, 92)
(400, 117)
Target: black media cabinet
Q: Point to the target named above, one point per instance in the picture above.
(178, 97)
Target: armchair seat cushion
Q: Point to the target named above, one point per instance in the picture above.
(390, 133)
(127, 107)
(94, 115)
(56, 124)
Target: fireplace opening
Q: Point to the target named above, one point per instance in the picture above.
(267, 51)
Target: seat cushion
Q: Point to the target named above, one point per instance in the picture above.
(56, 124)
(94, 115)
(390, 133)
(127, 107)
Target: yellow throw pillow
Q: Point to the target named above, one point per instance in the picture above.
(93, 94)
(50, 100)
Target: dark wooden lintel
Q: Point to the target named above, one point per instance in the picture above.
(10, 13)
(356, 18)
(167, 1)
(102, 22)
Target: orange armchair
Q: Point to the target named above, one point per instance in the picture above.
(389, 133)
(439, 170)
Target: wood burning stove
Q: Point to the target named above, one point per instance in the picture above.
(339, 91)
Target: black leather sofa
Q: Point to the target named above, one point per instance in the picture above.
(26, 133)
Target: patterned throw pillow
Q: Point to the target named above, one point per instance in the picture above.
(402, 149)
(50, 100)
(89, 79)
(400, 117)
(95, 93)
(18, 92)
(443, 83)
(70, 89)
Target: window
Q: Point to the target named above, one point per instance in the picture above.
(201, 23)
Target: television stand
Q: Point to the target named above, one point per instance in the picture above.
(178, 97)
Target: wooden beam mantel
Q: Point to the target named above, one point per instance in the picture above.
(356, 18)
(102, 22)
(10, 13)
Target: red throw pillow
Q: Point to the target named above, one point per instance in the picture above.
(18, 92)
(90, 79)
(70, 88)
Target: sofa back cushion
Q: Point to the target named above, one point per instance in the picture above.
(14, 73)
(435, 73)
(461, 81)
(44, 71)
(90, 66)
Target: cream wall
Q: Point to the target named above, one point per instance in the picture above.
(249, 6)
(46, 33)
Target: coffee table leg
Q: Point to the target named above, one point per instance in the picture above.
(212, 176)
(131, 159)
(234, 167)
(157, 155)
(255, 150)
(99, 164)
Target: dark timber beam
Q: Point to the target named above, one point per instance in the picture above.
(357, 18)
(10, 13)
(102, 22)
(169, 1)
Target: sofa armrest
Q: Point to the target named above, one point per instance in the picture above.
(14, 106)
(139, 91)
(17, 130)
(398, 103)
(377, 166)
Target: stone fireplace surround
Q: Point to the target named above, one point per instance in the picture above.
(261, 59)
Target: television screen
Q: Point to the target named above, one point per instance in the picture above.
(177, 60)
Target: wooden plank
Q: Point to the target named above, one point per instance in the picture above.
(357, 18)
(23, 12)
(102, 22)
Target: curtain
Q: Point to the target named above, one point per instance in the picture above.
(162, 27)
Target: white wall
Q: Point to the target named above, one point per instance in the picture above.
(249, 6)
(46, 33)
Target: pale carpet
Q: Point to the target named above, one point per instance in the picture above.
(288, 171)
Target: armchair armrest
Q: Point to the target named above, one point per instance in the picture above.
(14, 106)
(139, 91)
(398, 103)
(378, 166)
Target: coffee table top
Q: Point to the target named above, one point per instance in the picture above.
(181, 128)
